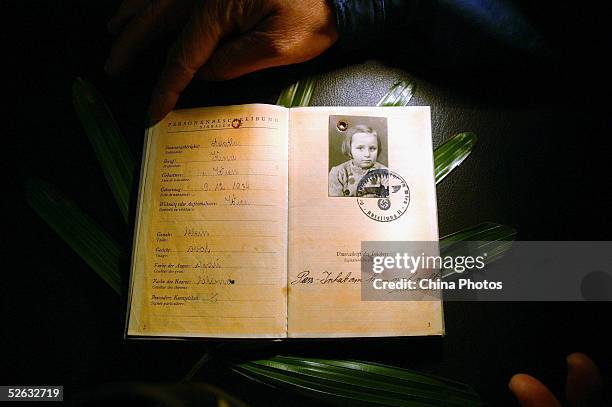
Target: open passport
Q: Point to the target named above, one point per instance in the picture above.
(251, 218)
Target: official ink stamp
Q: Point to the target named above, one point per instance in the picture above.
(383, 195)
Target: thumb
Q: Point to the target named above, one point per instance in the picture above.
(193, 48)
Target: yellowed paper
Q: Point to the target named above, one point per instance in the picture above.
(325, 232)
(211, 233)
(247, 229)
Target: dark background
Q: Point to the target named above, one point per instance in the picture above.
(540, 166)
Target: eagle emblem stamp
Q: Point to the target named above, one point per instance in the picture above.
(383, 195)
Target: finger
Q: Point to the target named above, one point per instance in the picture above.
(274, 41)
(240, 56)
(126, 11)
(159, 16)
(530, 392)
(584, 382)
(193, 48)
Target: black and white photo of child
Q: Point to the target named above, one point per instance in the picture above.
(357, 146)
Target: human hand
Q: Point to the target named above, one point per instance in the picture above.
(220, 39)
(584, 386)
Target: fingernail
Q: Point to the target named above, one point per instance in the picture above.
(151, 121)
(512, 382)
(161, 104)
(153, 114)
(577, 359)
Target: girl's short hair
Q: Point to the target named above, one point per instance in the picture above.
(348, 138)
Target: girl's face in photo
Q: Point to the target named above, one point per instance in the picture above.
(364, 149)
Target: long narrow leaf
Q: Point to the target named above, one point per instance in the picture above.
(482, 231)
(451, 154)
(107, 142)
(297, 94)
(355, 382)
(399, 95)
(77, 229)
(491, 238)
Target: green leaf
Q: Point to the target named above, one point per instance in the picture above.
(482, 231)
(491, 238)
(77, 229)
(108, 144)
(399, 95)
(352, 382)
(298, 94)
(451, 154)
